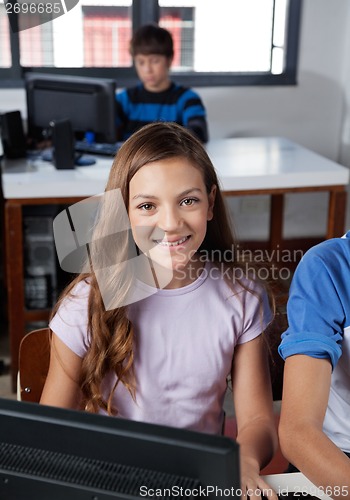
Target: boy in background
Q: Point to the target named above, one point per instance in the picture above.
(156, 97)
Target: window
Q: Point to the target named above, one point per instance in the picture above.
(5, 51)
(106, 36)
(180, 22)
(36, 42)
(239, 42)
(228, 38)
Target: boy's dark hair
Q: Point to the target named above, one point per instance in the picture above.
(152, 39)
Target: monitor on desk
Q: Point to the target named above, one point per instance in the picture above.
(88, 103)
(52, 453)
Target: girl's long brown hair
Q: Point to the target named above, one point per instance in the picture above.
(110, 332)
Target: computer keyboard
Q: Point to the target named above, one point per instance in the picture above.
(97, 148)
(293, 495)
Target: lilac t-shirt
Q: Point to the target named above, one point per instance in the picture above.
(185, 340)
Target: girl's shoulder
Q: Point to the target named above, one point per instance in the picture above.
(243, 297)
(235, 279)
(70, 323)
(82, 288)
(77, 298)
(237, 286)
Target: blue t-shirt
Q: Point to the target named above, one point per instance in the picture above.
(137, 107)
(319, 325)
(319, 302)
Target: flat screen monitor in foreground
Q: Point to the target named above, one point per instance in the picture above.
(50, 453)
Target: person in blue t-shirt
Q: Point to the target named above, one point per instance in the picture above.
(156, 97)
(315, 417)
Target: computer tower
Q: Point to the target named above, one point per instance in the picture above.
(44, 279)
(40, 263)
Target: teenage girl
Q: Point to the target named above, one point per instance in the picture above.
(160, 347)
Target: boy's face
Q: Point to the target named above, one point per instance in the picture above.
(153, 71)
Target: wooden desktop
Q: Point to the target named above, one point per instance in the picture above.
(286, 484)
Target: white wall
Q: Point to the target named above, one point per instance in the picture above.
(315, 113)
(311, 112)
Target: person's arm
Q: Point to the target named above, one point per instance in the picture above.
(306, 389)
(61, 387)
(198, 126)
(256, 432)
(193, 115)
(121, 117)
(312, 346)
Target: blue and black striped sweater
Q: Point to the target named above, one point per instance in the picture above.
(137, 106)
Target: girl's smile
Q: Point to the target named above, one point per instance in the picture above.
(169, 209)
(175, 243)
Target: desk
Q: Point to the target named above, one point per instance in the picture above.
(277, 166)
(296, 482)
(245, 166)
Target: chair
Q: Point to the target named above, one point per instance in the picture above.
(34, 358)
(273, 338)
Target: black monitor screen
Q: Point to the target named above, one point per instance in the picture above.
(50, 453)
(88, 103)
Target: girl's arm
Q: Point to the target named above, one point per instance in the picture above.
(61, 386)
(256, 432)
(306, 389)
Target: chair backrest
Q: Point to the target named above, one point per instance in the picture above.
(34, 358)
(273, 338)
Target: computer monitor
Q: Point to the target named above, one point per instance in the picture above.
(49, 453)
(88, 103)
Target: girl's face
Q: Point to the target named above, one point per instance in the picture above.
(168, 210)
